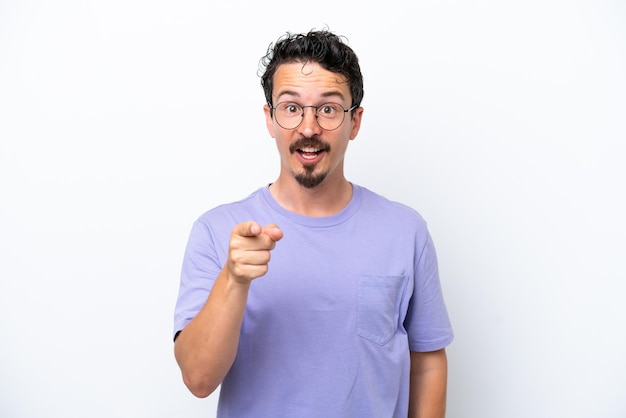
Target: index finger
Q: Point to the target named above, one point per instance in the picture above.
(247, 229)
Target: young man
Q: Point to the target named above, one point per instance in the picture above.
(313, 296)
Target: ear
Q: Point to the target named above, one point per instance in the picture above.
(269, 120)
(356, 122)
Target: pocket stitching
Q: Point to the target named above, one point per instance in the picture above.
(379, 333)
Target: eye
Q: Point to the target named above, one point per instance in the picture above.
(291, 109)
(328, 110)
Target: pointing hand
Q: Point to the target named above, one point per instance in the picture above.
(249, 250)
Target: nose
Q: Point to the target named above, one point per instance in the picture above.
(309, 126)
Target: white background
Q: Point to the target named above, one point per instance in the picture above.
(503, 123)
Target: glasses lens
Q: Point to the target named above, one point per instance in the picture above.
(289, 115)
(330, 116)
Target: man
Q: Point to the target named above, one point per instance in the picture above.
(313, 296)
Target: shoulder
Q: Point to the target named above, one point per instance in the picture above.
(233, 210)
(218, 222)
(386, 209)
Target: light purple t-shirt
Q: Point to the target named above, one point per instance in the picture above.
(327, 331)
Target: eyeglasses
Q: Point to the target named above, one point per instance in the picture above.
(329, 116)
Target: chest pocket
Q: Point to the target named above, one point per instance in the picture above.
(379, 299)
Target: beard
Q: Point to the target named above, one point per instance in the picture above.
(308, 178)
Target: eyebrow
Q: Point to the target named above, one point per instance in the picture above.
(337, 94)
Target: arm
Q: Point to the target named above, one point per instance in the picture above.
(429, 375)
(206, 348)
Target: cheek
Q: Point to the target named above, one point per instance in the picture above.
(282, 145)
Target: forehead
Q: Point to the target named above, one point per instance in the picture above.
(308, 80)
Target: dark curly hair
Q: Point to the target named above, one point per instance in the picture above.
(320, 46)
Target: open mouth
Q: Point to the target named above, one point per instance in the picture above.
(309, 153)
(309, 150)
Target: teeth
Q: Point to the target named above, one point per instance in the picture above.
(310, 150)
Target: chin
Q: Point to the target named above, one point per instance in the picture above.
(309, 180)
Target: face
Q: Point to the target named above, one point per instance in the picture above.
(309, 154)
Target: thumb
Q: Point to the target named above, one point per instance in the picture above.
(273, 231)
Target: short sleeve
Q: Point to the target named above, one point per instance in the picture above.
(201, 266)
(427, 322)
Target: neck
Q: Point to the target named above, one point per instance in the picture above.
(326, 199)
